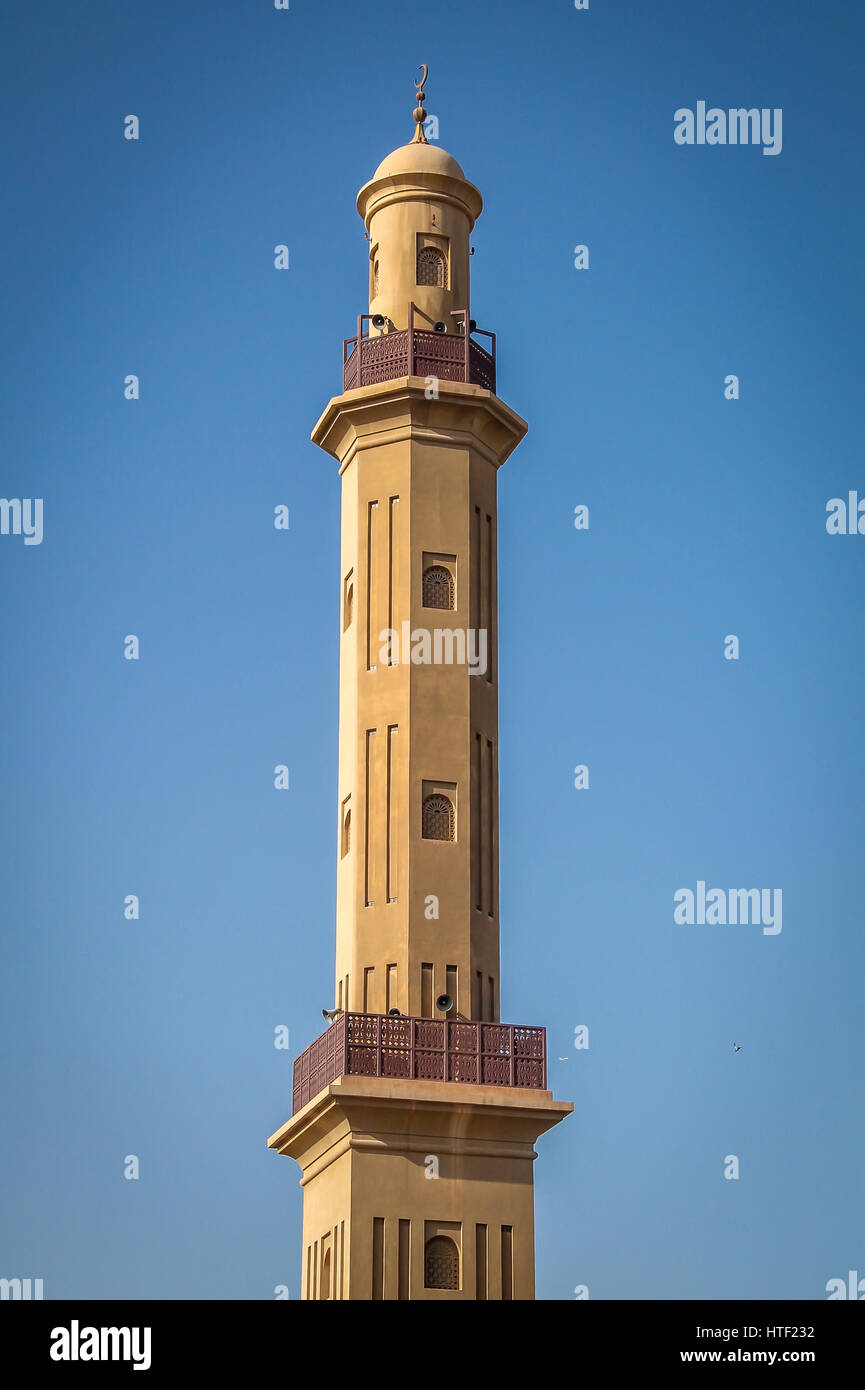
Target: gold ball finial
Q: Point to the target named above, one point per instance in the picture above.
(419, 112)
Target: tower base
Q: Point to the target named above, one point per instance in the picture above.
(418, 1190)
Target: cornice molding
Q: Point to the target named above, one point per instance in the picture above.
(461, 416)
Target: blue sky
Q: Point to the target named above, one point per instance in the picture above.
(154, 777)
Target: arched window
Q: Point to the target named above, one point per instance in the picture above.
(441, 1264)
(432, 267)
(438, 587)
(375, 279)
(346, 832)
(324, 1291)
(438, 820)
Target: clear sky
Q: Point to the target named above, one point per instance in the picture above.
(707, 518)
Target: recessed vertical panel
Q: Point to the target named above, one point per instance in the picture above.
(392, 566)
(476, 815)
(371, 584)
(404, 1280)
(378, 1258)
(507, 1262)
(490, 838)
(452, 984)
(484, 572)
(369, 819)
(486, 828)
(392, 826)
(475, 605)
(426, 990)
(481, 1274)
(490, 592)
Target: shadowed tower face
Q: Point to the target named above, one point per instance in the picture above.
(416, 1112)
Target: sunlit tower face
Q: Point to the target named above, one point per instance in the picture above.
(416, 1062)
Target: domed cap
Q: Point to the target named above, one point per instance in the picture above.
(418, 157)
(419, 169)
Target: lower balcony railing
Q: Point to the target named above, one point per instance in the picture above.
(421, 1049)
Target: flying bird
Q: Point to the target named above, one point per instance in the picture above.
(736, 1047)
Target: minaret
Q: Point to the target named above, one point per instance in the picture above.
(416, 1112)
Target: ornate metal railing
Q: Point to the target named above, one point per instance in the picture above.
(418, 352)
(422, 1049)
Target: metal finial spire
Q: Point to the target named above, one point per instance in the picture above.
(419, 112)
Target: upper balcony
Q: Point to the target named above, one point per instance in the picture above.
(421, 1049)
(449, 354)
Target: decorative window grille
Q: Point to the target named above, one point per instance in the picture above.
(441, 1266)
(432, 267)
(438, 587)
(438, 820)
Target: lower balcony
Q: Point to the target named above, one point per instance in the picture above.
(421, 1049)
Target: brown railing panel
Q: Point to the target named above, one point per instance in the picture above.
(482, 366)
(350, 366)
(423, 1049)
(319, 1064)
(416, 352)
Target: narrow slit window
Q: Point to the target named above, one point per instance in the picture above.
(348, 601)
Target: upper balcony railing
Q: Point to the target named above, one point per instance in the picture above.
(449, 356)
(421, 1049)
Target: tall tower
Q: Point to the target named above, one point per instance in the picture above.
(416, 1112)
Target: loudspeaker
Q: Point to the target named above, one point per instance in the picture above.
(378, 320)
(444, 1003)
(394, 1013)
(440, 327)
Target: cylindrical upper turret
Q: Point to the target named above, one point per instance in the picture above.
(419, 209)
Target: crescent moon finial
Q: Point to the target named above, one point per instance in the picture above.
(419, 112)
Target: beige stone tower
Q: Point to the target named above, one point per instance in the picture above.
(416, 1112)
